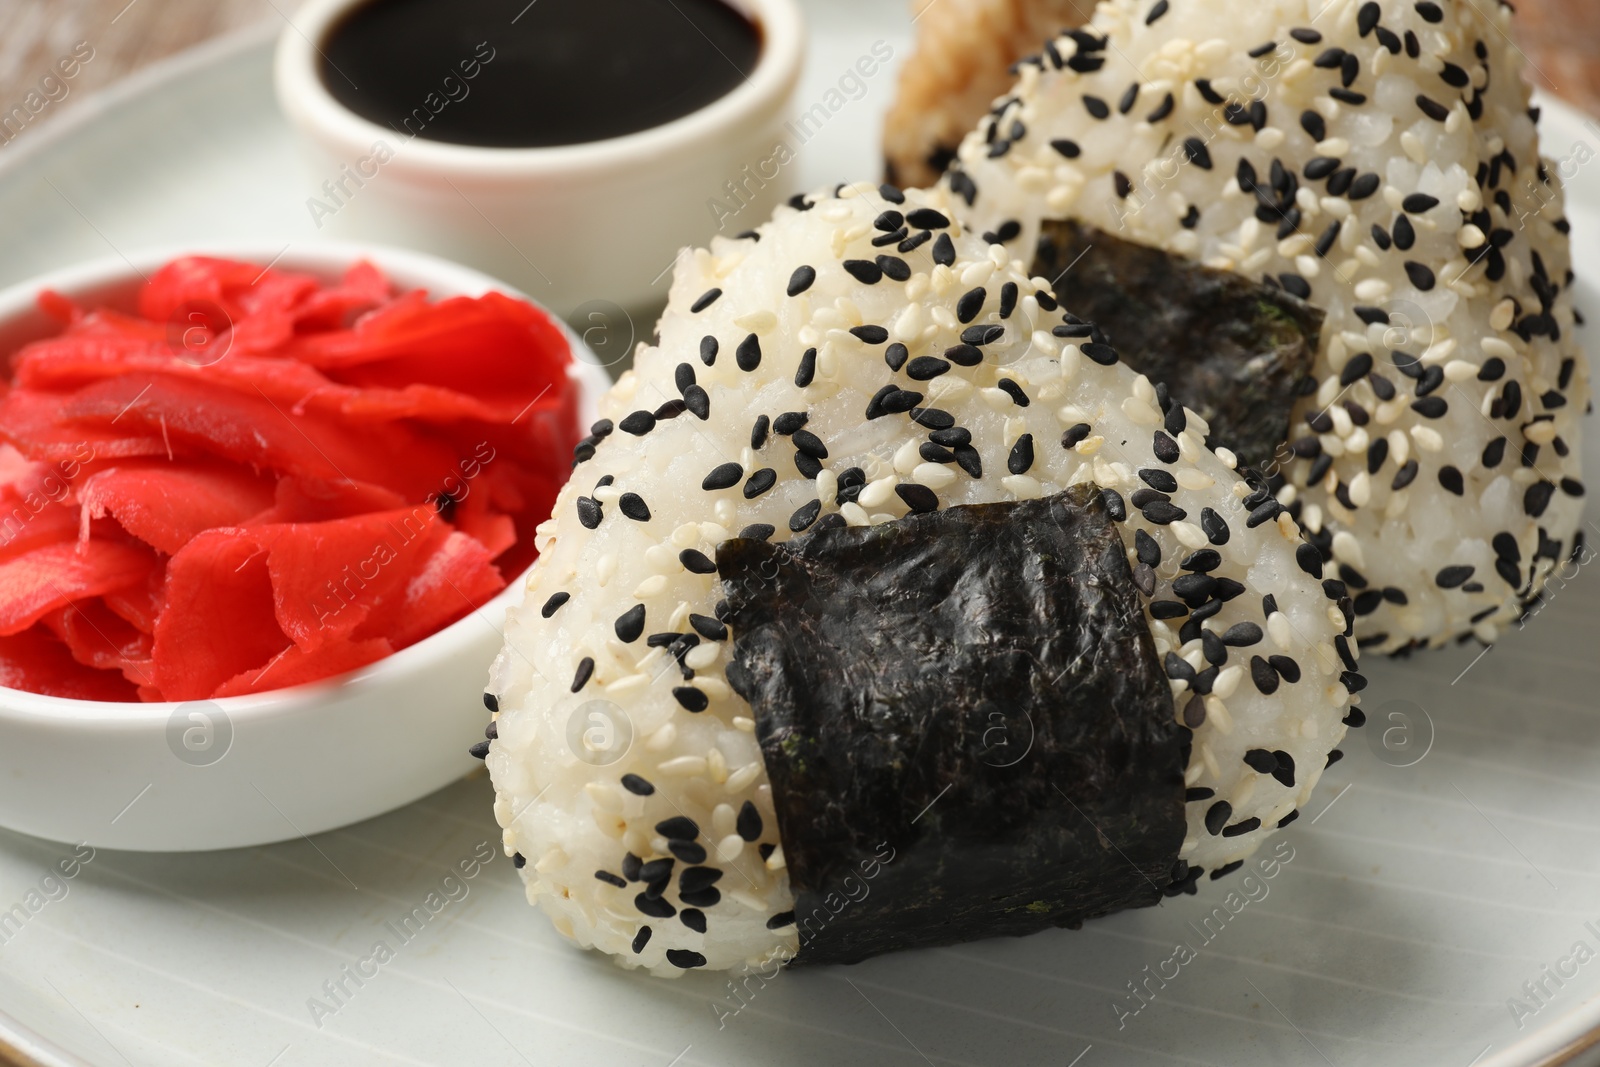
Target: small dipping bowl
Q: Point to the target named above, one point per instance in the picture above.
(583, 227)
(271, 766)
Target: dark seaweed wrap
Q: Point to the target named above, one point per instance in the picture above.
(964, 721)
(1235, 351)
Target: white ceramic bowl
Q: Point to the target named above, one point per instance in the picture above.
(572, 224)
(271, 766)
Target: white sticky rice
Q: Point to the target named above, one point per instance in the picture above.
(636, 525)
(1399, 137)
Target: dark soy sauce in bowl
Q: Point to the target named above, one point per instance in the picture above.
(510, 74)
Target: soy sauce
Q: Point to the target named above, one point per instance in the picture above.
(514, 74)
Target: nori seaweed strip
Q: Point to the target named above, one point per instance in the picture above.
(1233, 350)
(964, 721)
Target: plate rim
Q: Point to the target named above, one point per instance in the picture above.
(1559, 1044)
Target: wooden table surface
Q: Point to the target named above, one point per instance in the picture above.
(1560, 37)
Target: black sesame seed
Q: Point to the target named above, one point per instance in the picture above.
(891, 193)
(1432, 108)
(1146, 548)
(1102, 354)
(895, 355)
(1008, 301)
(1240, 828)
(1451, 479)
(926, 218)
(1430, 407)
(1215, 527)
(611, 879)
(1013, 390)
(1537, 498)
(1073, 435)
(872, 335)
(970, 304)
(630, 624)
(479, 750)
(670, 410)
(1262, 674)
(1021, 457)
(919, 498)
(1242, 635)
(926, 368)
(1321, 167)
(801, 280)
(1261, 761)
(1067, 149)
(1357, 367)
(1197, 153)
(696, 562)
(807, 369)
(809, 444)
(1217, 816)
(1096, 107)
(638, 424)
(1162, 512)
(1165, 448)
(749, 822)
(805, 515)
(1114, 504)
(678, 828)
(1421, 276)
(710, 628)
(683, 376)
(1159, 480)
(864, 271)
(1288, 669)
(1313, 124)
(1377, 453)
(551, 606)
(583, 674)
(1364, 186)
(723, 476)
(944, 250)
(705, 300)
(688, 852)
(1453, 576)
(694, 919)
(1367, 18)
(684, 958)
(637, 785)
(633, 506)
(1418, 203)
(894, 268)
(589, 512)
(698, 401)
(759, 482)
